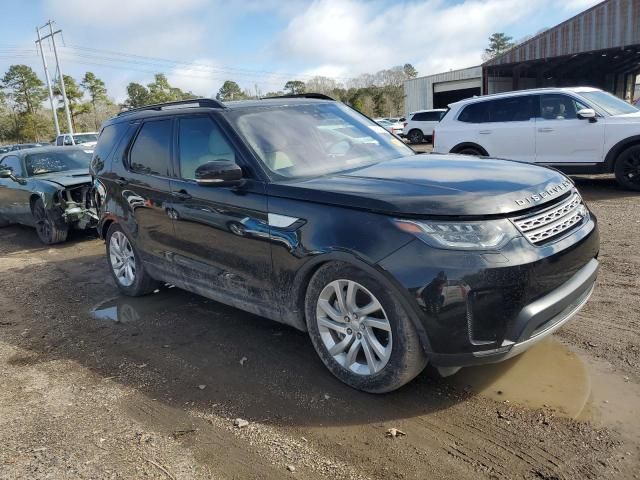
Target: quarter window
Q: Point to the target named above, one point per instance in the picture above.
(151, 151)
(475, 113)
(201, 141)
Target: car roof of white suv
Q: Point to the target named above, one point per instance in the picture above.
(428, 110)
(530, 91)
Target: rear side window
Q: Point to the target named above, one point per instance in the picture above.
(427, 117)
(107, 141)
(151, 150)
(475, 113)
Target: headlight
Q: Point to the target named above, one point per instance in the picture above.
(482, 235)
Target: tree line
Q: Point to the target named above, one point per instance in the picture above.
(23, 117)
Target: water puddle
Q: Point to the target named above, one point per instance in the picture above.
(550, 375)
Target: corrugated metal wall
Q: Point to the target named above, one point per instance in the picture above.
(610, 24)
(418, 92)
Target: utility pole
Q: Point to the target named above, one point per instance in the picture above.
(46, 75)
(52, 35)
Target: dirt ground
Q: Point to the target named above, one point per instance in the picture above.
(95, 385)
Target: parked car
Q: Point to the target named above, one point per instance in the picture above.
(392, 127)
(386, 258)
(20, 146)
(88, 139)
(47, 188)
(419, 125)
(577, 130)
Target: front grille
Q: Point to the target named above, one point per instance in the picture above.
(559, 219)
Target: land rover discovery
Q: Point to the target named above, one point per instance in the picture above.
(303, 211)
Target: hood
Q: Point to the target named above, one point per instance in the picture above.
(434, 185)
(69, 178)
(629, 117)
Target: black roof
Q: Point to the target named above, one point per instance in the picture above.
(47, 148)
(199, 104)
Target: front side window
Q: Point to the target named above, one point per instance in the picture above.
(151, 150)
(315, 139)
(14, 164)
(200, 141)
(57, 160)
(608, 103)
(559, 107)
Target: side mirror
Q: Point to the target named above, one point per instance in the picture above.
(218, 173)
(587, 114)
(5, 173)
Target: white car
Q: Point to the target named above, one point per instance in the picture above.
(388, 124)
(87, 139)
(419, 125)
(577, 130)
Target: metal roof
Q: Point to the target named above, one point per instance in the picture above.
(610, 24)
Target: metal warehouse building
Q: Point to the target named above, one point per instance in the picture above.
(599, 47)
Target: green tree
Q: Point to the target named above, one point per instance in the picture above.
(295, 87)
(25, 89)
(498, 43)
(230, 90)
(75, 97)
(137, 95)
(409, 71)
(97, 93)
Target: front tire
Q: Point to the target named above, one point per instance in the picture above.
(363, 335)
(125, 264)
(48, 230)
(627, 168)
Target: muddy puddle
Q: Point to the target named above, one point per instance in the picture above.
(550, 375)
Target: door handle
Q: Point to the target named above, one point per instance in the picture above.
(181, 195)
(484, 132)
(545, 130)
(121, 181)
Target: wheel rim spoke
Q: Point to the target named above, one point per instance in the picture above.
(357, 341)
(122, 259)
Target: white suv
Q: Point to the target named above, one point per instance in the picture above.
(577, 130)
(420, 124)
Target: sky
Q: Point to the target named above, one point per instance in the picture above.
(199, 44)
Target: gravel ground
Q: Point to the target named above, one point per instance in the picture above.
(94, 385)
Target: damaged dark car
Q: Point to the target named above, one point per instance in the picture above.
(48, 188)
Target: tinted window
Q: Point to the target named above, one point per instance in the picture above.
(514, 109)
(109, 138)
(14, 164)
(201, 141)
(151, 151)
(427, 117)
(559, 107)
(475, 113)
(57, 160)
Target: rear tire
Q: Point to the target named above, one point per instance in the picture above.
(49, 231)
(370, 346)
(470, 151)
(125, 264)
(627, 168)
(415, 136)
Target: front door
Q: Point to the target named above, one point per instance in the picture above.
(562, 137)
(222, 231)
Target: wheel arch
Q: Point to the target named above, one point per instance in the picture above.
(615, 151)
(295, 315)
(463, 145)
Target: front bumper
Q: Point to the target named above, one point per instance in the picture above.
(535, 322)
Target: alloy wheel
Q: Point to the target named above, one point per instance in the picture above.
(354, 327)
(43, 225)
(123, 260)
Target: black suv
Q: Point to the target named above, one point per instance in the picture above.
(302, 210)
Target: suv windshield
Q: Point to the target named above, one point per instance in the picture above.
(316, 139)
(81, 138)
(56, 161)
(609, 103)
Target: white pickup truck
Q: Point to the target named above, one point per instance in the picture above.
(87, 139)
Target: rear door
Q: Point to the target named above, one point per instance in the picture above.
(223, 231)
(504, 127)
(562, 137)
(14, 196)
(144, 185)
